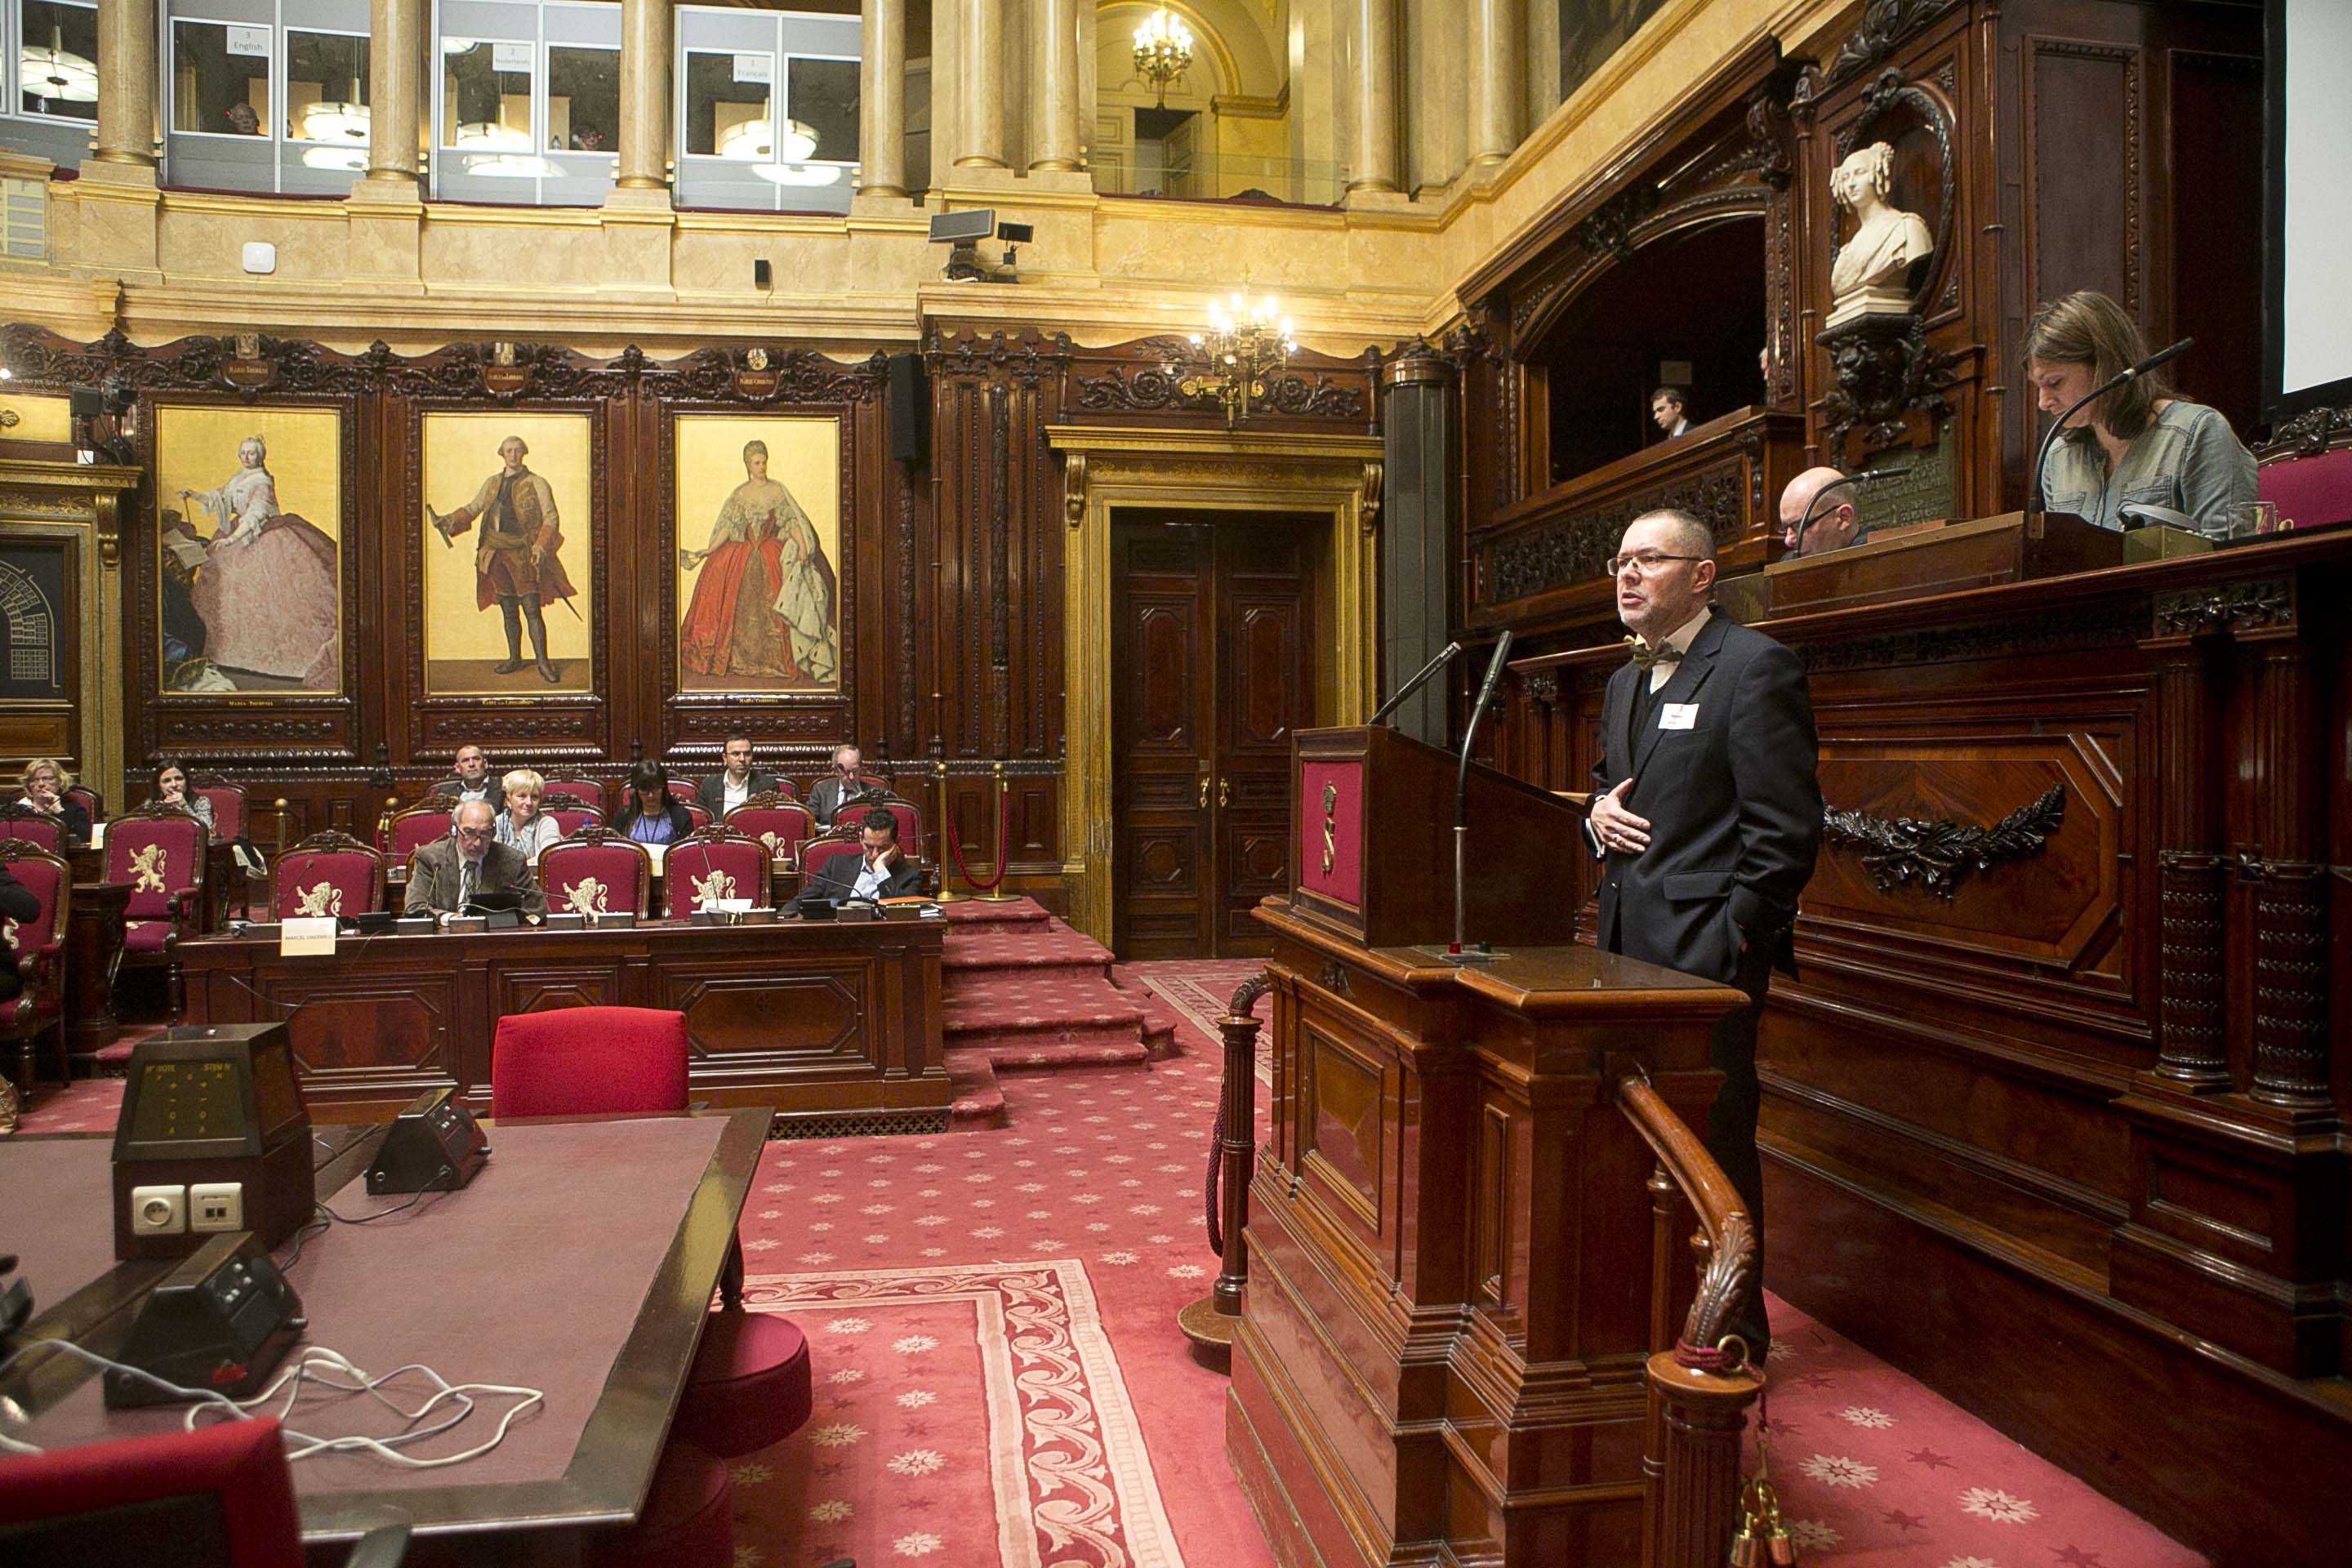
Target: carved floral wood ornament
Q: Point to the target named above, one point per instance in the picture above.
(1937, 854)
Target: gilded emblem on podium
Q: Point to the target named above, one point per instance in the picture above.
(1330, 827)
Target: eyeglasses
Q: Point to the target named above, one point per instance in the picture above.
(1643, 564)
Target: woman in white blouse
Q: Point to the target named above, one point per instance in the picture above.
(522, 825)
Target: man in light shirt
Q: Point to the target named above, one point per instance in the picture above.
(470, 779)
(882, 872)
(723, 791)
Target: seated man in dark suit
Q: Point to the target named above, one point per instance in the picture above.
(18, 902)
(450, 873)
(827, 794)
(882, 872)
(723, 791)
(472, 780)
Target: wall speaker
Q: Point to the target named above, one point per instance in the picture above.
(910, 409)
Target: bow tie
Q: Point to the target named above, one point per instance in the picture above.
(1646, 657)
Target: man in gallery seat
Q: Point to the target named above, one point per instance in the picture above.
(472, 780)
(1706, 811)
(450, 873)
(879, 870)
(845, 781)
(722, 792)
(1834, 525)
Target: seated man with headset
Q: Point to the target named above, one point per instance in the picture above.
(882, 872)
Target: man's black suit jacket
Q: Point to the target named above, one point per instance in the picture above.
(837, 879)
(712, 793)
(1734, 808)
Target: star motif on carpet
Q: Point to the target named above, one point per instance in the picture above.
(2076, 1557)
(916, 1398)
(1863, 1415)
(916, 1462)
(840, 1435)
(1933, 1460)
(1986, 1502)
(1901, 1520)
(914, 1344)
(848, 1326)
(916, 1543)
(1812, 1532)
(1837, 1470)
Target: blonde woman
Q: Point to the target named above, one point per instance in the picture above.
(522, 825)
(45, 783)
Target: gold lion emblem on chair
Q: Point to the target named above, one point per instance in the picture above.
(147, 867)
(8, 934)
(586, 897)
(322, 898)
(770, 840)
(711, 888)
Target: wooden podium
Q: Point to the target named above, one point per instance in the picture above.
(1459, 1262)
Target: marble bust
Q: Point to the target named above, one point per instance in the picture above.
(1870, 274)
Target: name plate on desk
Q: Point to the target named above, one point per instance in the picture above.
(301, 936)
(758, 917)
(572, 920)
(2013, 547)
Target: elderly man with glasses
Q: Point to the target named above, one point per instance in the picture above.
(1706, 812)
(449, 874)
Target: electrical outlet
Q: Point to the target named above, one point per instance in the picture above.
(159, 1211)
(216, 1206)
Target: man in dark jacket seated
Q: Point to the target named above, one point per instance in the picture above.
(471, 867)
(882, 872)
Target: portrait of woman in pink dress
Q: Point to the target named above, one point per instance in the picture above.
(763, 550)
(265, 585)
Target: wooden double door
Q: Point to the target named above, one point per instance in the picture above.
(1212, 662)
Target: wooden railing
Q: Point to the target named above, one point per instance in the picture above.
(1699, 1395)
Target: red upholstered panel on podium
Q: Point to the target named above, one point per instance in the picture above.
(1331, 794)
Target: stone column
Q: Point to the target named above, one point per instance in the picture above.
(882, 95)
(979, 59)
(1373, 166)
(126, 82)
(645, 94)
(1498, 88)
(395, 88)
(1057, 59)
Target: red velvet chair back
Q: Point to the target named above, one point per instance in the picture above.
(420, 825)
(48, 878)
(229, 819)
(778, 823)
(35, 827)
(570, 814)
(714, 863)
(817, 852)
(329, 873)
(588, 1061)
(2311, 489)
(160, 851)
(851, 818)
(91, 801)
(579, 788)
(599, 872)
(697, 815)
(683, 789)
(81, 1502)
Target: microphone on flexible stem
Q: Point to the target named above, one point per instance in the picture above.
(1445, 656)
(1866, 476)
(1462, 779)
(2038, 502)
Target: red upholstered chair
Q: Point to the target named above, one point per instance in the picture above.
(579, 787)
(597, 871)
(34, 827)
(778, 823)
(160, 851)
(229, 814)
(35, 948)
(572, 813)
(219, 1497)
(329, 873)
(418, 826)
(698, 815)
(2307, 469)
(817, 852)
(910, 821)
(91, 801)
(683, 789)
(714, 863)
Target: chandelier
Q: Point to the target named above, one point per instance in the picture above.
(1230, 362)
(1164, 51)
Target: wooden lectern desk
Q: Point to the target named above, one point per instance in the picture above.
(1457, 1267)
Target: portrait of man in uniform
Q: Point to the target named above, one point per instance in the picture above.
(508, 544)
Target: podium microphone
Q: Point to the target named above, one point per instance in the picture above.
(2038, 502)
(1445, 656)
(1462, 789)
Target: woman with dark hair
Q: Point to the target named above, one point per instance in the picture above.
(170, 788)
(2142, 443)
(649, 815)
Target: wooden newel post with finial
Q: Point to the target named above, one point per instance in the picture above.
(1210, 1322)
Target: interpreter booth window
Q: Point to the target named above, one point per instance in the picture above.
(527, 104)
(52, 106)
(767, 108)
(266, 95)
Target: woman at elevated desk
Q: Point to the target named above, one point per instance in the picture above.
(2141, 445)
(649, 815)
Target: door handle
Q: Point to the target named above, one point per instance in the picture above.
(1225, 792)
(1204, 792)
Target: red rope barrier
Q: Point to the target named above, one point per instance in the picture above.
(1003, 830)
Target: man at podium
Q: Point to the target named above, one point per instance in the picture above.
(1706, 811)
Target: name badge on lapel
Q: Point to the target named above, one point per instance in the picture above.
(1678, 716)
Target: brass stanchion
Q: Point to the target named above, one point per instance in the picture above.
(947, 895)
(996, 893)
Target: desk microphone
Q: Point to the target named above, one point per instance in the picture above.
(1445, 656)
(1866, 476)
(2038, 503)
(1462, 778)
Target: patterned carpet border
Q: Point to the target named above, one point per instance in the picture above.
(1052, 1381)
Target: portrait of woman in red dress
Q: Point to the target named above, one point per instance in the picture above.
(731, 626)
